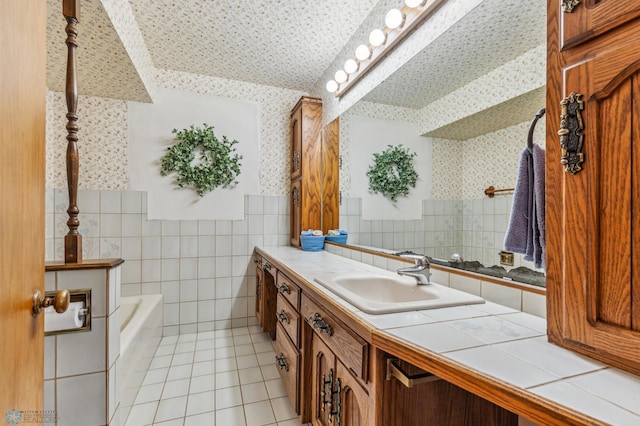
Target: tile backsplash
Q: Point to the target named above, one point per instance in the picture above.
(203, 268)
(473, 228)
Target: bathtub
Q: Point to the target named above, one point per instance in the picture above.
(140, 334)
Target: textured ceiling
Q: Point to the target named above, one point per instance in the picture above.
(492, 34)
(282, 43)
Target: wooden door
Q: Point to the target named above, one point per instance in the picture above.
(354, 401)
(591, 18)
(322, 383)
(22, 171)
(593, 270)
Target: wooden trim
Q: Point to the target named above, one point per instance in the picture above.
(85, 264)
(500, 281)
(514, 399)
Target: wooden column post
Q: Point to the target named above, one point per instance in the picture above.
(73, 240)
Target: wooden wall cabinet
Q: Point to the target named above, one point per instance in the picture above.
(593, 225)
(314, 196)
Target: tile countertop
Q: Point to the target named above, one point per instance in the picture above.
(503, 350)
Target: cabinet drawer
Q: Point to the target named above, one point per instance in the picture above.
(287, 360)
(289, 290)
(349, 347)
(289, 319)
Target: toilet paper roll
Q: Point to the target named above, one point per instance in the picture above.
(71, 319)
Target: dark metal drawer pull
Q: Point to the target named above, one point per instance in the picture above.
(282, 362)
(282, 316)
(282, 288)
(320, 324)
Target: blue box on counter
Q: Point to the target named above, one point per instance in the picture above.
(337, 238)
(312, 242)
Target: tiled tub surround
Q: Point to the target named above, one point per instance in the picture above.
(473, 228)
(81, 369)
(203, 269)
(502, 351)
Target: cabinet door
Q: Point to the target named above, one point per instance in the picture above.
(593, 268)
(354, 401)
(590, 18)
(296, 143)
(322, 378)
(296, 212)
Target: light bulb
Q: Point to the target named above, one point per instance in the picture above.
(394, 19)
(363, 52)
(351, 66)
(377, 37)
(341, 76)
(332, 86)
(414, 3)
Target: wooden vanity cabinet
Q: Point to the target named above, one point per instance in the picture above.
(314, 193)
(259, 281)
(337, 397)
(593, 225)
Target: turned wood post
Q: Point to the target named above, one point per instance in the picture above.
(73, 240)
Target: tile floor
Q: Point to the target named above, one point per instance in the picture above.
(224, 378)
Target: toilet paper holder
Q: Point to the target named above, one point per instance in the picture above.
(82, 296)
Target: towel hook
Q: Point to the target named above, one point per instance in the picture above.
(538, 116)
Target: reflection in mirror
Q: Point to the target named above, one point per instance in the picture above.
(464, 105)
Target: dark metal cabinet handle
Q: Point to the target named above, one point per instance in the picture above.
(282, 288)
(282, 316)
(320, 324)
(282, 362)
(266, 267)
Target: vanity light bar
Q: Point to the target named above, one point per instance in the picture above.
(399, 23)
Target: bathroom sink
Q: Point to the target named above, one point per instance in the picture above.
(382, 294)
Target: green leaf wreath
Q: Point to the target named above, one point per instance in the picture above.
(219, 164)
(392, 173)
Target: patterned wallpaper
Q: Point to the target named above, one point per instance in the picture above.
(464, 169)
(102, 142)
(519, 76)
(103, 132)
(105, 68)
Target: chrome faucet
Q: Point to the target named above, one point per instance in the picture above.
(416, 271)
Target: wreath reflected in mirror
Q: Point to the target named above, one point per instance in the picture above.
(201, 160)
(392, 173)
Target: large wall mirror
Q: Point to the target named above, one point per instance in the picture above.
(464, 105)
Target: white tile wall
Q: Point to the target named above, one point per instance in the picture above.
(188, 261)
(473, 228)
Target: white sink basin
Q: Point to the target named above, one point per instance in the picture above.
(382, 294)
